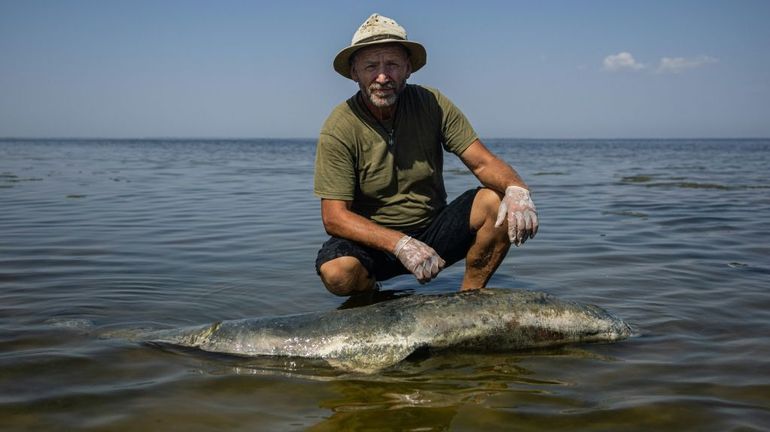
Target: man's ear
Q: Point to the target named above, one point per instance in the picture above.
(353, 74)
(408, 70)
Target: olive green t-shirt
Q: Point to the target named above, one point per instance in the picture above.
(399, 186)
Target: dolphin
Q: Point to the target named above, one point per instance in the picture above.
(370, 338)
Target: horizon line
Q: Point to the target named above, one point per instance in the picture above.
(180, 138)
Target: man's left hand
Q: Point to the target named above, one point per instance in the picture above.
(519, 210)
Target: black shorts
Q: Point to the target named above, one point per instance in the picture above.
(449, 234)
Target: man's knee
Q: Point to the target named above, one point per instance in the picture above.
(485, 207)
(345, 276)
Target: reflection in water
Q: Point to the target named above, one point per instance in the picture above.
(417, 394)
(428, 394)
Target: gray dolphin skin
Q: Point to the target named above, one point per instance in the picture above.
(370, 338)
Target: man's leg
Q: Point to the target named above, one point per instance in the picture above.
(490, 245)
(346, 276)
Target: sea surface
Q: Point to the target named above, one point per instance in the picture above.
(104, 237)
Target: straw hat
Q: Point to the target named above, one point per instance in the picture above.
(378, 29)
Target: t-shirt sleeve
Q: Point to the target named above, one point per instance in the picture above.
(334, 169)
(457, 131)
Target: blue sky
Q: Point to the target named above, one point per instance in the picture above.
(245, 69)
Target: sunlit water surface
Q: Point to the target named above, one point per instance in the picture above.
(98, 237)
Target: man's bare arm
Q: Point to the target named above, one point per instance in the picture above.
(491, 171)
(419, 258)
(340, 221)
(516, 207)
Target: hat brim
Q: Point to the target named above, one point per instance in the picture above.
(417, 55)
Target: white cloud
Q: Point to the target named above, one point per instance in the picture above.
(676, 65)
(621, 61)
(624, 61)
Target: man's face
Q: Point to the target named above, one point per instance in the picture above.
(381, 72)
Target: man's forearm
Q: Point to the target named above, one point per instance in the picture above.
(490, 170)
(341, 222)
(498, 175)
(417, 257)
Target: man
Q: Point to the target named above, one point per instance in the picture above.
(379, 176)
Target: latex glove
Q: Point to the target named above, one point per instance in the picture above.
(418, 258)
(519, 210)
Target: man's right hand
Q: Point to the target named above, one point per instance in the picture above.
(418, 258)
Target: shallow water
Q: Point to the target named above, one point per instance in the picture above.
(97, 237)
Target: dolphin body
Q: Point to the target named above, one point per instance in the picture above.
(370, 338)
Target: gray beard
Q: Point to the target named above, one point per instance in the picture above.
(383, 102)
(387, 101)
